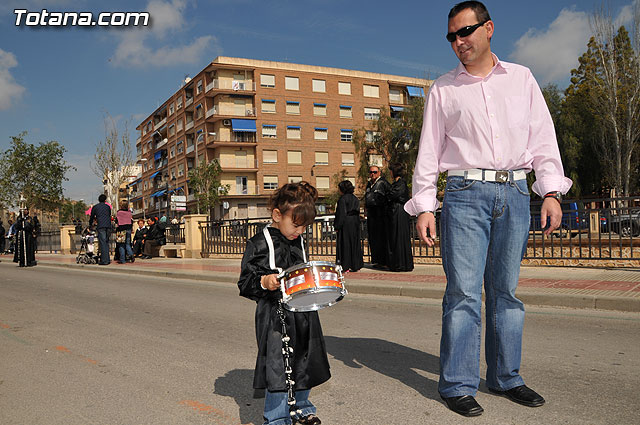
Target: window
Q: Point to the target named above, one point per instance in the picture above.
(319, 86)
(199, 111)
(294, 157)
(320, 133)
(199, 87)
(267, 80)
(179, 103)
(371, 91)
(180, 170)
(172, 152)
(295, 179)
(268, 106)
(241, 185)
(293, 108)
(171, 109)
(172, 129)
(180, 124)
(345, 111)
(173, 173)
(291, 83)
(320, 109)
(346, 135)
(270, 182)
(268, 131)
(395, 96)
(371, 113)
(322, 182)
(293, 132)
(375, 159)
(348, 158)
(322, 158)
(180, 147)
(369, 135)
(269, 157)
(344, 88)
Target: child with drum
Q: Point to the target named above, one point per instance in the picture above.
(292, 357)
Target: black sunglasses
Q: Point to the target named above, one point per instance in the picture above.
(374, 172)
(464, 32)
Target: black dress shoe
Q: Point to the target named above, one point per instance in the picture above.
(465, 405)
(523, 395)
(309, 420)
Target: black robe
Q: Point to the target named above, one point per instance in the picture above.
(400, 252)
(310, 363)
(27, 230)
(376, 204)
(347, 224)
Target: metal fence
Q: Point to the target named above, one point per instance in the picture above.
(592, 229)
(175, 234)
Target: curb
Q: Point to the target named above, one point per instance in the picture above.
(402, 289)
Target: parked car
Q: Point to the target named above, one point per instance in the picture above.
(624, 224)
(574, 220)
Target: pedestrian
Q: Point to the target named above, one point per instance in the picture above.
(278, 247)
(138, 238)
(153, 239)
(27, 229)
(399, 225)
(347, 225)
(123, 233)
(11, 236)
(101, 217)
(376, 204)
(2, 237)
(486, 124)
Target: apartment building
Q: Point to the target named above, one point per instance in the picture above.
(267, 123)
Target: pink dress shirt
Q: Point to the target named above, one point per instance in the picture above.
(499, 122)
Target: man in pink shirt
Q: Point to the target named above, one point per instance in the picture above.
(486, 124)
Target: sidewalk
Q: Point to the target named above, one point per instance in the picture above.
(602, 289)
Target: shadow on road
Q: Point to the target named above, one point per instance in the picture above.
(238, 383)
(388, 358)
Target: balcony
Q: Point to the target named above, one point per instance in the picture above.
(161, 122)
(162, 143)
(231, 85)
(210, 112)
(189, 149)
(189, 126)
(138, 140)
(188, 102)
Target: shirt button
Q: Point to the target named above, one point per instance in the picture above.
(497, 136)
(492, 115)
(488, 96)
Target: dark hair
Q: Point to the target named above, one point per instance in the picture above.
(140, 220)
(102, 198)
(398, 169)
(482, 14)
(124, 204)
(300, 198)
(346, 186)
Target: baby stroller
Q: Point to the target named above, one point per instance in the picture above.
(86, 255)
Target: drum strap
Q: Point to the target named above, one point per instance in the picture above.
(272, 252)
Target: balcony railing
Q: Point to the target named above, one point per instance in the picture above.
(190, 149)
(188, 102)
(189, 126)
(162, 143)
(161, 122)
(234, 85)
(210, 112)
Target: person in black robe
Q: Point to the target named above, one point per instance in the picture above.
(291, 205)
(27, 229)
(347, 224)
(400, 250)
(138, 238)
(376, 204)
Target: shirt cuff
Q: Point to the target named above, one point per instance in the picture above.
(414, 207)
(547, 184)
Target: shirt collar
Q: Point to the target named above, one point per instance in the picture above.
(460, 69)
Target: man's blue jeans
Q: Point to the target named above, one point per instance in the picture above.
(103, 243)
(485, 226)
(276, 409)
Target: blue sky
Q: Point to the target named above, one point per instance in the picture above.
(57, 83)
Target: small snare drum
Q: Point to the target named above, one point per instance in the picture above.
(312, 286)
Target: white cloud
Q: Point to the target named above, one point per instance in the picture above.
(10, 91)
(553, 52)
(144, 46)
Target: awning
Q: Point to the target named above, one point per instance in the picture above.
(291, 102)
(157, 155)
(243, 125)
(319, 104)
(159, 193)
(153, 175)
(321, 128)
(176, 189)
(345, 106)
(397, 108)
(415, 91)
(268, 126)
(294, 127)
(346, 129)
(137, 198)
(133, 183)
(269, 100)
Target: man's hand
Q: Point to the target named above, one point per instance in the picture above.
(551, 209)
(426, 221)
(270, 282)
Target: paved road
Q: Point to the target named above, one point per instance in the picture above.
(88, 347)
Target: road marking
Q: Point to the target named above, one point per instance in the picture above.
(221, 417)
(4, 331)
(63, 349)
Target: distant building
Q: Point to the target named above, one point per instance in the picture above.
(267, 123)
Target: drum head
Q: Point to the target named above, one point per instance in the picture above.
(313, 300)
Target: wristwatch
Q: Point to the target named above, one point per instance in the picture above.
(555, 195)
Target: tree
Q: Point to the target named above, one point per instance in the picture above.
(35, 172)
(113, 161)
(332, 199)
(71, 209)
(204, 180)
(607, 82)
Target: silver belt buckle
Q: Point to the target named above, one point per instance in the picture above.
(502, 176)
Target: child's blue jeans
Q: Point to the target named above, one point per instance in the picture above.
(276, 409)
